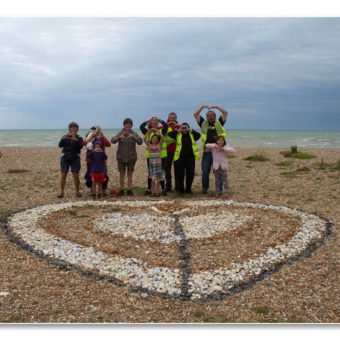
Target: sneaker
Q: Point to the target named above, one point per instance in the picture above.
(121, 193)
(130, 193)
(147, 193)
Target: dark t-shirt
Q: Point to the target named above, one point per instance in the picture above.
(186, 149)
(144, 127)
(69, 144)
(97, 161)
(212, 133)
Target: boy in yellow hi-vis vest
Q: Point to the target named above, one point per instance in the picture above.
(210, 130)
(161, 126)
(186, 154)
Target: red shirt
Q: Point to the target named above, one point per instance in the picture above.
(172, 147)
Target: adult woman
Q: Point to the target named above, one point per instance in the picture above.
(95, 135)
(70, 157)
(126, 154)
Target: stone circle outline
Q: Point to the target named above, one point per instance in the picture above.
(186, 290)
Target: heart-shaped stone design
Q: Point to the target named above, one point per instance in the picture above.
(167, 282)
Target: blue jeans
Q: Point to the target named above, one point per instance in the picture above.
(207, 161)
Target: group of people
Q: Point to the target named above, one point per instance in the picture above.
(168, 144)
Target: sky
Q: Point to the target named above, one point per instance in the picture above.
(269, 73)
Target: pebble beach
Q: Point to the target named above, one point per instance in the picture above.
(36, 290)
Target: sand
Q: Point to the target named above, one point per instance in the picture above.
(305, 291)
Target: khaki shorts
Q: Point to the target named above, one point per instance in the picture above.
(129, 166)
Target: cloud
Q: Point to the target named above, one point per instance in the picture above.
(108, 68)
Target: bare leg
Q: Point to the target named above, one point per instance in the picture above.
(76, 180)
(93, 189)
(157, 187)
(130, 174)
(63, 176)
(153, 187)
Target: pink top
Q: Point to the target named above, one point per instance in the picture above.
(219, 157)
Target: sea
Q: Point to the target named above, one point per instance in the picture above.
(236, 138)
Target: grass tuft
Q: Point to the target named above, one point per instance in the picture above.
(257, 158)
(285, 163)
(297, 154)
(262, 310)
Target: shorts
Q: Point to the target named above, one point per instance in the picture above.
(129, 166)
(98, 177)
(65, 166)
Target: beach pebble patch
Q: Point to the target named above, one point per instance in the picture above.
(192, 222)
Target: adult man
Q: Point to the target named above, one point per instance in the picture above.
(210, 130)
(171, 147)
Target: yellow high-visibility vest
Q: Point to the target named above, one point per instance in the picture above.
(164, 151)
(179, 146)
(219, 128)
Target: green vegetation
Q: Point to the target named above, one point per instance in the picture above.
(285, 163)
(294, 153)
(299, 170)
(303, 169)
(262, 310)
(322, 165)
(203, 316)
(337, 165)
(17, 171)
(13, 319)
(257, 158)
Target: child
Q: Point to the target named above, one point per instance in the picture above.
(70, 157)
(156, 172)
(220, 164)
(97, 164)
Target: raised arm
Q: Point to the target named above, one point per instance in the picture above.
(146, 137)
(143, 128)
(197, 113)
(161, 139)
(224, 112)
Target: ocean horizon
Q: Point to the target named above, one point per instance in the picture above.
(236, 137)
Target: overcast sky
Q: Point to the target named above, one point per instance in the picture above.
(269, 73)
